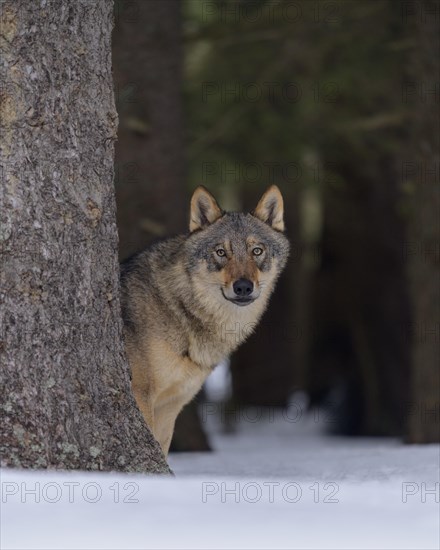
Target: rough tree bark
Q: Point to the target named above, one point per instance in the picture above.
(66, 391)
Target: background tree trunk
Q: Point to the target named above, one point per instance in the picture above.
(421, 174)
(359, 349)
(150, 183)
(360, 355)
(67, 400)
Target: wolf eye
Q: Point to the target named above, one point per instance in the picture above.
(220, 252)
(257, 251)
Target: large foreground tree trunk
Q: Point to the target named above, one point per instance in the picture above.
(66, 390)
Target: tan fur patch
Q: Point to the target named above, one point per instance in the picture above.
(235, 270)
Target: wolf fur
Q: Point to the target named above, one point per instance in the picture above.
(181, 312)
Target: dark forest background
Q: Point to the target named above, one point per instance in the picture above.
(338, 104)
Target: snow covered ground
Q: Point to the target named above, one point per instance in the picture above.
(277, 482)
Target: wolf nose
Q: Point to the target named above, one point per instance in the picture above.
(243, 287)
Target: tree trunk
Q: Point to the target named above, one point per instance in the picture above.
(420, 170)
(150, 186)
(67, 398)
(359, 350)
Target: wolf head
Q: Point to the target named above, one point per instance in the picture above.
(234, 259)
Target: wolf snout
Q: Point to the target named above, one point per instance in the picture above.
(243, 288)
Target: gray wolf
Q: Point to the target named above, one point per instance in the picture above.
(189, 301)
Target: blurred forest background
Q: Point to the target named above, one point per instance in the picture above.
(336, 102)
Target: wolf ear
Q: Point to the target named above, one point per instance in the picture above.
(270, 209)
(204, 209)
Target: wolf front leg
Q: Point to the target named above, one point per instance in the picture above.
(141, 384)
(145, 404)
(165, 444)
(166, 415)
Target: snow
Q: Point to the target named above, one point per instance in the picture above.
(277, 482)
(218, 385)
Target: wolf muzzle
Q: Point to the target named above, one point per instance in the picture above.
(243, 289)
